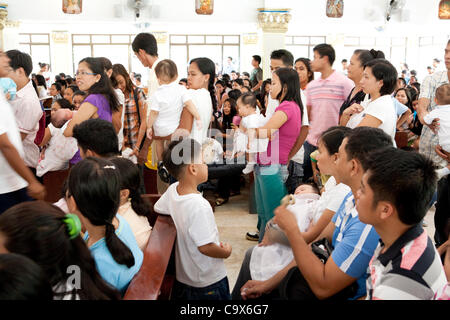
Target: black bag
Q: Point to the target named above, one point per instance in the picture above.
(322, 249)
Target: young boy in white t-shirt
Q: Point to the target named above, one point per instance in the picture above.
(251, 120)
(200, 270)
(442, 112)
(166, 106)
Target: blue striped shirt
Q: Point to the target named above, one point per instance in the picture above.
(354, 243)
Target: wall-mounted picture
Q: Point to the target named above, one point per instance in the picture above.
(204, 6)
(335, 8)
(72, 6)
(444, 9)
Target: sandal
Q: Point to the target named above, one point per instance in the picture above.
(163, 173)
(221, 201)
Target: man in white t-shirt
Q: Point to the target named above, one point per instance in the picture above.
(15, 177)
(26, 106)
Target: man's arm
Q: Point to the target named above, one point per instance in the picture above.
(35, 189)
(324, 280)
(257, 86)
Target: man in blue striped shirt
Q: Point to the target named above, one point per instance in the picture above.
(354, 242)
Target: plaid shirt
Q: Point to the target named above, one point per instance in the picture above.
(131, 121)
(429, 140)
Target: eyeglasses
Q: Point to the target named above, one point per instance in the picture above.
(83, 73)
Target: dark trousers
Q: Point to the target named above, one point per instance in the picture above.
(307, 168)
(295, 177)
(216, 291)
(10, 199)
(442, 213)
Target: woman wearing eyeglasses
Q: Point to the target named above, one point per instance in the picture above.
(101, 101)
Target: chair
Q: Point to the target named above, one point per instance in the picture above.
(155, 279)
(53, 182)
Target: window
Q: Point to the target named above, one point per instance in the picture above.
(430, 48)
(116, 47)
(37, 45)
(218, 48)
(302, 46)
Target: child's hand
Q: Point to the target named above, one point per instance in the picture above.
(149, 133)
(227, 249)
(8, 96)
(285, 219)
(36, 190)
(199, 123)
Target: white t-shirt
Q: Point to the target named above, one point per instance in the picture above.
(139, 224)
(57, 154)
(251, 122)
(384, 110)
(202, 100)
(196, 227)
(168, 100)
(443, 113)
(28, 112)
(121, 98)
(10, 180)
(273, 104)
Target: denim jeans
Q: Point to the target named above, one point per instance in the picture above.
(217, 291)
(307, 168)
(269, 190)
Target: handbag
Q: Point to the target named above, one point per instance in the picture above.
(322, 249)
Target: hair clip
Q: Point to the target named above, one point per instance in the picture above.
(73, 225)
(109, 167)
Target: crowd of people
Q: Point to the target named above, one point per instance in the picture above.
(340, 205)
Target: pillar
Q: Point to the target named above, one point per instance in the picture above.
(273, 25)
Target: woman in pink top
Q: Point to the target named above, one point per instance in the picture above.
(282, 129)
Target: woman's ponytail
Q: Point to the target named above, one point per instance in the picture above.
(119, 251)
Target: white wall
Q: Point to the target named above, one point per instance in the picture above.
(361, 17)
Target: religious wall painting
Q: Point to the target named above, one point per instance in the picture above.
(444, 9)
(335, 8)
(204, 6)
(72, 6)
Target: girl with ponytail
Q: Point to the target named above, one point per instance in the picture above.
(201, 76)
(94, 195)
(51, 238)
(132, 206)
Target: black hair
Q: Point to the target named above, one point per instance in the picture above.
(94, 184)
(285, 56)
(79, 93)
(57, 77)
(103, 86)
(184, 80)
(402, 80)
(69, 81)
(207, 66)
(327, 50)
(247, 87)
(365, 56)
(181, 153)
(98, 136)
(332, 138)
(405, 179)
(41, 81)
(57, 86)
(234, 94)
(290, 84)
(62, 82)
(307, 63)
(74, 88)
(257, 58)
(22, 279)
(119, 70)
(313, 185)
(248, 99)
(344, 60)
(20, 60)
(413, 72)
(37, 230)
(408, 96)
(64, 104)
(416, 85)
(138, 77)
(245, 73)
(62, 74)
(383, 70)
(147, 42)
(228, 118)
(42, 64)
(240, 82)
(130, 179)
(107, 64)
(362, 141)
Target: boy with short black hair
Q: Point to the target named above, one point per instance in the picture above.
(200, 271)
(406, 264)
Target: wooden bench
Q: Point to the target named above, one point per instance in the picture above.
(401, 139)
(155, 279)
(53, 182)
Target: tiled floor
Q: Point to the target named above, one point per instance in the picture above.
(233, 221)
